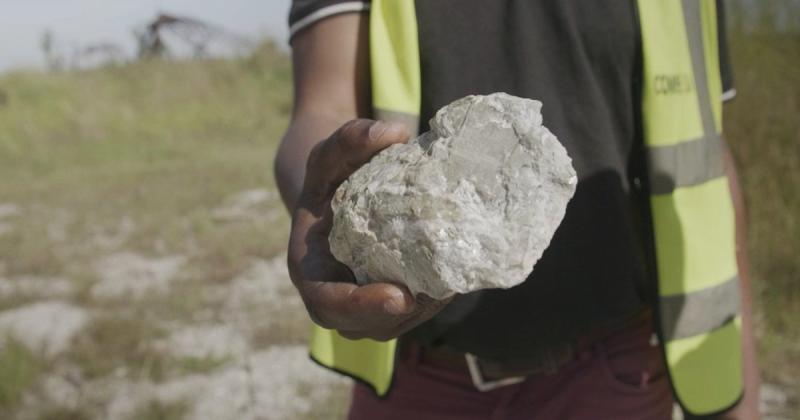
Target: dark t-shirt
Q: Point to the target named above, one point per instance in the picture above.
(582, 60)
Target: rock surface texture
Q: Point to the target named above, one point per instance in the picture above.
(469, 205)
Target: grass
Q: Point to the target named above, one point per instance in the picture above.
(158, 142)
(200, 365)
(160, 411)
(157, 145)
(763, 129)
(111, 342)
(61, 413)
(19, 369)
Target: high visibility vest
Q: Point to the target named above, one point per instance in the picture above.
(690, 206)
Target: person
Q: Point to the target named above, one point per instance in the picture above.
(598, 330)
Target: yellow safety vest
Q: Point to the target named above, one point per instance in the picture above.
(691, 209)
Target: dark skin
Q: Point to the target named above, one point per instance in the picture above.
(381, 310)
(331, 74)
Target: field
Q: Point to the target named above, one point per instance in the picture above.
(142, 271)
(763, 130)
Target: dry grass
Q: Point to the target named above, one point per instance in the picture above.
(137, 159)
(763, 128)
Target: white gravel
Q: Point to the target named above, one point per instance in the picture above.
(261, 294)
(266, 386)
(215, 341)
(45, 327)
(246, 205)
(131, 275)
(42, 287)
(7, 211)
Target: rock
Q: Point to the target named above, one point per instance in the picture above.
(260, 296)
(40, 287)
(217, 341)
(247, 205)
(278, 383)
(7, 211)
(46, 327)
(128, 275)
(472, 204)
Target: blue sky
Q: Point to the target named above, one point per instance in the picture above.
(77, 23)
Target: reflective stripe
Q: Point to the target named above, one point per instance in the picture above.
(706, 370)
(409, 120)
(694, 237)
(701, 311)
(685, 164)
(694, 31)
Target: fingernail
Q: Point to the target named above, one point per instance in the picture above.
(377, 129)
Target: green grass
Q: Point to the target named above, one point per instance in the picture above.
(159, 411)
(763, 128)
(60, 413)
(19, 369)
(110, 342)
(161, 143)
(200, 365)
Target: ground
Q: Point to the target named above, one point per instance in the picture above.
(142, 241)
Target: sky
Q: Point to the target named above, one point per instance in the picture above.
(78, 23)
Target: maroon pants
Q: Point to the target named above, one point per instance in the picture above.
(622, 377)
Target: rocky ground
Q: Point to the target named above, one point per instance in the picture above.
(237, 353)
(134, 336)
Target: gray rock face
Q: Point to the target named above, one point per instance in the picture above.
(470, 205)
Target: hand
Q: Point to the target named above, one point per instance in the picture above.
(380, 311)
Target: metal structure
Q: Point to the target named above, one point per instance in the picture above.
(199, 36)
(99, 54)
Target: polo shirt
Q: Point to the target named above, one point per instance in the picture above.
(582, 59)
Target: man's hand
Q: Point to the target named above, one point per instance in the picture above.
(380, 311)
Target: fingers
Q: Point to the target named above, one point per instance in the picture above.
(377, 310)
(365, 309)
(346, 150)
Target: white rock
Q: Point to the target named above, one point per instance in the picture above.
(131, 275)
(42, 287)
(472, 204)
(46, 327)
(245, 205)
(217, 341)
(265, 386)
(261, 292)
(774, 401)
(9, 210)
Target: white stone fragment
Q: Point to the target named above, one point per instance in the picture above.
(131, 275)
(201, 341)
(46, 327)
(470, 205)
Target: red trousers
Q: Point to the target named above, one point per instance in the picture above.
(621, 377)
